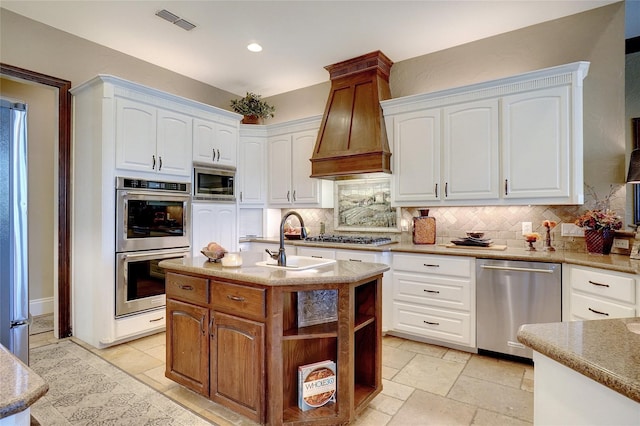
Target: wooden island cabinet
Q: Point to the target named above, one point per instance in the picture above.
(233, 335)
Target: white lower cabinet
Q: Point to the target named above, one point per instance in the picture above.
(434, 298)
(592, 293)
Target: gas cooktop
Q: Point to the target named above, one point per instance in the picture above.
(350, 239)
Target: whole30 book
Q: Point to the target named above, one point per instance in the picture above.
(316, 384)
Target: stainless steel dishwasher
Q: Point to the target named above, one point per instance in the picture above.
(511, 293)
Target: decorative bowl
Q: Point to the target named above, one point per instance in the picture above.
(475, 234)
(213, 256)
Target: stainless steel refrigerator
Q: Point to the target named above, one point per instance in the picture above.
(14, 278)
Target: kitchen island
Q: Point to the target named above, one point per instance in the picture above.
(20, 388)
(587, 372)
(238, 334)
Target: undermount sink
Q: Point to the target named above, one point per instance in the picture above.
(297, 263)
(634, 327)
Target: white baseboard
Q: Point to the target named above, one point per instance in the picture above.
(41, 306)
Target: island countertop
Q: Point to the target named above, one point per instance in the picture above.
(21, 386)
(339, 272)
(603, 350)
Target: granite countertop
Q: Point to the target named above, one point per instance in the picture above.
(339, 272)
(603, 350)
(613, 262)
(20, 386)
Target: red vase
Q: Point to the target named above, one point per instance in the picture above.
(599, 241)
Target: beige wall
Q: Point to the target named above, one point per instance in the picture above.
(596, 36)
(42, 148)
(632, 109)
(34, 46)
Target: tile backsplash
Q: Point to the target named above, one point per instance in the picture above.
(503, 224)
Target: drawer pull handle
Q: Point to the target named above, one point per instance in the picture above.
(598, 312)
(156, 319)
(235, 298)
(598, 284)
(431, 265)
(317, 257)
(431, 323)
(355, 260)
(431, 291)
(185, 287)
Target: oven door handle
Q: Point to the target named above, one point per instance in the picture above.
(155, 255)
(180, 196)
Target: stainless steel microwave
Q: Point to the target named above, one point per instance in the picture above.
(214, 183)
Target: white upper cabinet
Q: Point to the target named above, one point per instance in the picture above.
(470, 151)
(289, 150)
(152, 139)
(214, 222)
(416, 156)
(536, 153)
(252, 166)
(512, 141)
(214, 143)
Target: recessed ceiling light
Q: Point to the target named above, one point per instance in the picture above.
(254, 47)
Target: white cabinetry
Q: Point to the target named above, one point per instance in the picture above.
(215, 142)
(152, 139)
(290, 146)
(252, 166)
(529, 144)
(434, 298)
(598, 294)
(119, 126)
(516, 140)
(446, 153)
(214, 222)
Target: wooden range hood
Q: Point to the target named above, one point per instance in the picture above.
(352, 137)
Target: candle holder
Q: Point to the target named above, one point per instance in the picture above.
(531, 247)
(549, 224)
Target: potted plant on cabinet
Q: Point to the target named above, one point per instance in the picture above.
(253, 108)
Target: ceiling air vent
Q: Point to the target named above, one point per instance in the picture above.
(175, 19)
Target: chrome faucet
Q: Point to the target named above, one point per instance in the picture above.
(279, 255)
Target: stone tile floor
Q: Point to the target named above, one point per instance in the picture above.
(423, 384)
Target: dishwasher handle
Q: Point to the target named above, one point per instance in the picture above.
(511, 268)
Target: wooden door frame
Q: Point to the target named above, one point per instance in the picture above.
(64, 187)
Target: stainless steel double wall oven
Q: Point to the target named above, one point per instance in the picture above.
(152, 224)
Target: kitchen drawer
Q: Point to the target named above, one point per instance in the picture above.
(317, 252)
(357, 256)
(441, 265)
(187, 289)
(585, 307)
(617, 287)
(438, 324)
(238, 300)
(432, 290)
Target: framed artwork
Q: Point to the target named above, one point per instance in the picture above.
(635, 250)
(365, 205)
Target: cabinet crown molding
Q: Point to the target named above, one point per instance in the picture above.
(129, 89)
(568, 74)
